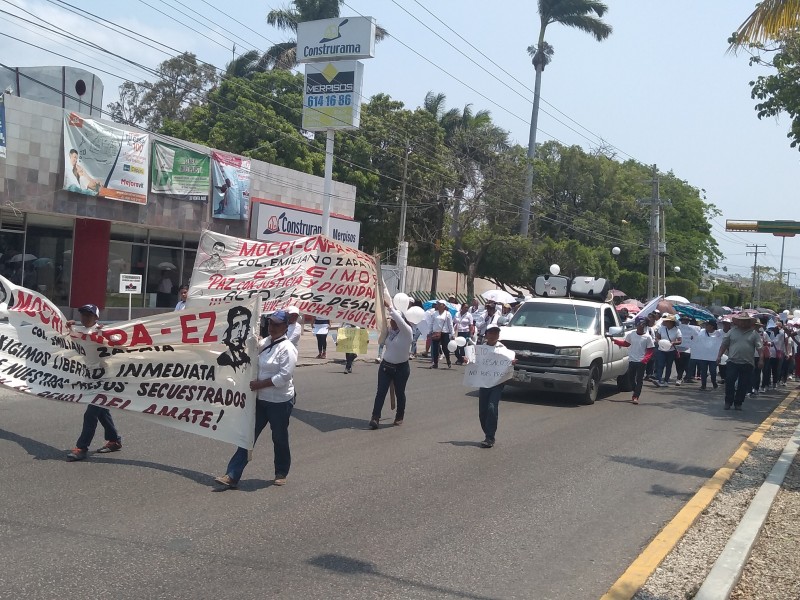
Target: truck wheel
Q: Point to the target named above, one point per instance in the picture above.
(593, 387)
(624, 383)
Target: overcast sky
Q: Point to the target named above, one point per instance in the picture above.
(660, 89)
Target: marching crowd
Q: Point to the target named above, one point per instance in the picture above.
(750, 355)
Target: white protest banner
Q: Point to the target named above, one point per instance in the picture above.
(190, 370)
(101, 160)
(492, 367)
(318, 275)
(352, 340)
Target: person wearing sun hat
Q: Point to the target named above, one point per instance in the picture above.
(741, 343)
(276, 396)
(668, 337)
(89, 314)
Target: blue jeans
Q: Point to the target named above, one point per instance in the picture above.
(738, 378)
(664, 362)
(91, 417)
(388, 373)
(277, 415)
(488, 401)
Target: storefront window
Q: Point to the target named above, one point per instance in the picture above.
(124, 258)
(163, 272)
(48, 257)
(128, 233)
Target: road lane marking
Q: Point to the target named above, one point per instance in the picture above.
(646, 563)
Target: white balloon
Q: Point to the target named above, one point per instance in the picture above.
(415, 314)
(797, 314)
(723, 360)
(401, 302)
(460, 341)
(555, 269)
(452, 346)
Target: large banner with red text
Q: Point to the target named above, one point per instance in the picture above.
(318, 275)
(189, 370)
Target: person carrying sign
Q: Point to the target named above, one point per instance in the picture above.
(94, 414)
(394, 367)
(277, 359)
(489, 397)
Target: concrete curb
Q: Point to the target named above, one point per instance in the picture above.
(727, 570)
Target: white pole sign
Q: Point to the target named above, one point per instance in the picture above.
(130, 284)
(335, 39)
(332, 95)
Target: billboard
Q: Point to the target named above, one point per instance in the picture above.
(230, 190)
(335, 39)
(276, 222)
(180, 172)
(101, 160)
(332, 95)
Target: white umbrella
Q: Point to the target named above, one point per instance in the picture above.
(678, 299)
(500, 296)
(167, 266)
(651, 306)
(22, 257)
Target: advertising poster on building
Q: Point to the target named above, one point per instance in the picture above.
(230, 190)
(318, 275)
(2, 126)
(190, 370)
(180, 173)
(101, 160)
(276, 222)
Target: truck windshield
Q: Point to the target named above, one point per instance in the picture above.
(558, 316)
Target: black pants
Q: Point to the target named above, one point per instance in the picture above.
(636, 375)
(349, 357)
(322, 342)
(91, 417)
(388, 373)
(441, 344)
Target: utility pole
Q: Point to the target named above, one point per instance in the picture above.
(755, 254)
(402, 250)
(791, 294)
(437, 245)
(656, 270)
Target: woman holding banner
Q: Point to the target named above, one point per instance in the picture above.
(394, 367)
(276, 397)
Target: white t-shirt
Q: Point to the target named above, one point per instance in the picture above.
(463, 322)
(638, 345)
(669, 333)
(705, 346)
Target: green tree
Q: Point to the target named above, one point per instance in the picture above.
(238, 119)
(771, 20)
(284, 55)
(584, 15)
(779, 91)
(181, 86)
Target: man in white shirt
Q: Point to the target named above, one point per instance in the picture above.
(640, 346)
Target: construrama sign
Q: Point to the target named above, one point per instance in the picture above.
(335, 39)
(275, 222)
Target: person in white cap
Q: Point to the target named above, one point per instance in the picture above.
(94, 414)
(295, 328)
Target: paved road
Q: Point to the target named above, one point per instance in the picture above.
(557, 509)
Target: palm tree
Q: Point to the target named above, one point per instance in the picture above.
(284, 55)
(769, 21)
(584, 15)
(244, 65)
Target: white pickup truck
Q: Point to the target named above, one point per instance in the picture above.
(565, 345)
